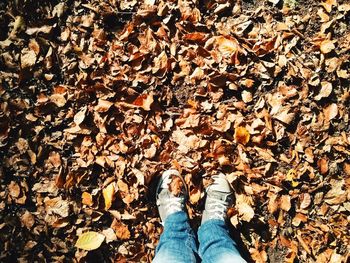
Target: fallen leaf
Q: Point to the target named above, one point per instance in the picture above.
(28, 58)
(242, 135)
(80, 116)
(326, 90)
(196, 37)
(90, 240)
(285, 202)
(108, 195)
(195, 195)
(227, 46)
(275, 2)
(86, 199)
(330, 112)
(327, 46)
(323, 165)
(176, 185)
(28, 219)
(144, 101)
(121, 230)
(305, 200)
(110, 235)
(14, 189)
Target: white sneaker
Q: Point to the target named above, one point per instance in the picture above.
(219, 199)
(167, 202)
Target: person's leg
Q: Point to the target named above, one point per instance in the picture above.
(215, 243)
(177, 242)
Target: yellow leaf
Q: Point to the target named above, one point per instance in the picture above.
(108, 195)
(291, 175)
(242, 135)
(90, 240)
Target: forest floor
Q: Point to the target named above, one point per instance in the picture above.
(98, 97)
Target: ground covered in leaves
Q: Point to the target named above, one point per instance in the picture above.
(99, 97)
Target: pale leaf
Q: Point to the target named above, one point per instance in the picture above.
(90, 240)
(326, 46)
(108, 195)
(325, 91)
(80, 116)
(330, 112)
(227, 46)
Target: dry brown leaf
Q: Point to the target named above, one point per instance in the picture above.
(326, 90)
(144, 101)
(305, 200)
(14, 189)
(323, 165)
(245, 211)
(227, 46)
(247, 96)
(176, 185)
(196, 37)
(258, 256)
(28, 58)
(285, 116)
(328, 4)
(330, 112)
(273, 203)
(327, 46)
(285, 202)
(195, 195)
(58, 99)
(346, 168)
(28, 219)
(121, 230)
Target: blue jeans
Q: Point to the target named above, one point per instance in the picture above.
(178, 244)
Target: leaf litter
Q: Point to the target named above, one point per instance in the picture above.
(99, 97)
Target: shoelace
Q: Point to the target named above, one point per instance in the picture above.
(217, 209)
(174, 204)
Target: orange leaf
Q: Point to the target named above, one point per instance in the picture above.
(323, 165)
(144, 101)
(242, 135)
(86, 199)
(197, 36)
(121, 230)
